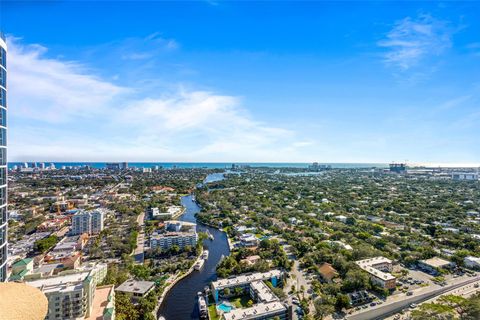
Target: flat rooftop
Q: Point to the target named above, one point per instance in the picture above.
(134, 286)
(245, 278)
(64, 283)
(385, 276)
(264, 293)
(368, 266)
(373, 261)
(436, 262)
(255, 312)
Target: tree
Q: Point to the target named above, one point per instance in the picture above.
(456, 302)
(355, 280)
(124, 308)
(342, 302)
(433, 311)
(472, 308)
(322, 309)
(238, 291)
(351, 221)
(43, 245)
(226, 291)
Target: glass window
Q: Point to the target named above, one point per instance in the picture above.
(3, 176)
(3, 77)
(3, 117)
(3, 98)
(3, 156)
(3, 137)
(3, 57)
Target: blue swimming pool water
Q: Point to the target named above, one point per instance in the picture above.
(224, 307)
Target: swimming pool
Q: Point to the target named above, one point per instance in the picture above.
(225, 307)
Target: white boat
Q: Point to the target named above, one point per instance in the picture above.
(202, 306)
(210, 236)
(199, 265)
(205, 255)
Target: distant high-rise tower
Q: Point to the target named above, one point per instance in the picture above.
(398, 167)
(3, 159)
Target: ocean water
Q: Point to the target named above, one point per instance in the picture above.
(209, 165)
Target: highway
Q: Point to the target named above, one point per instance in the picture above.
(387, 309)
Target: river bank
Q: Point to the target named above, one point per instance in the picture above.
(179, 301)
(176, 279)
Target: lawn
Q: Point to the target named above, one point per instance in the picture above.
(240, 302)
(212, 311)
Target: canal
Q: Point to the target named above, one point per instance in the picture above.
(180, 302)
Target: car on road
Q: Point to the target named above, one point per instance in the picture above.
(373, 304)
(409, 293)
(413, 306)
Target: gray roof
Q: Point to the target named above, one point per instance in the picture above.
(134, 286)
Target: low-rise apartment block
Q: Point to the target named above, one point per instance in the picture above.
(176, 233)
(267, 305)
(379, 269)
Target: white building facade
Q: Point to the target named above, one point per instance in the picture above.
(90, 222)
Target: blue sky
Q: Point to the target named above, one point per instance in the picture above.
(244, 81)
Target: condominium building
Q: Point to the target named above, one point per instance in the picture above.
(74, 294)
(266, 306)
(243, 281)
(176, 233)
(379, 269)
(89, 222)
(3, 159)
(69, 296)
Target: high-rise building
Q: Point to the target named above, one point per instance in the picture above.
(90, 222)
(3, 159)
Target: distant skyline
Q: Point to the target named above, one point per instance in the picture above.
(213, 81)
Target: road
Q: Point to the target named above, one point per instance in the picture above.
(298, 279)
(138, 252)
(384, 310)
(464, 291)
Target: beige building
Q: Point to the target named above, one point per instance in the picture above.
(379, 269)
(71, 295)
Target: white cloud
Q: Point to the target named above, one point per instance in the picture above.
(60, 110)
(52, 90)
(413, 40)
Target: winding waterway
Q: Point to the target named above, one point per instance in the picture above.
(180, 302)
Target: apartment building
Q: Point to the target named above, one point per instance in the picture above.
(379, 269)
(175, 233)
(267, 305)
(69, 296)
(89, 222)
